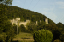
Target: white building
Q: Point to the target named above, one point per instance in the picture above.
(18, 22)
(46, 20)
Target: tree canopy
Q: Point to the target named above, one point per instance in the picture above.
(6, 2)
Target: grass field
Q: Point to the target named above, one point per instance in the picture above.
(24, 37)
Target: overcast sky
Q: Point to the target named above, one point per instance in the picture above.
(53, 9)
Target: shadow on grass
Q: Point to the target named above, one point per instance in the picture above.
(25, 38)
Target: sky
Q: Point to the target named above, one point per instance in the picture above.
(53, 9)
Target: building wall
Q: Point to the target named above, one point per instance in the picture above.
(17, 21)
(46, 20)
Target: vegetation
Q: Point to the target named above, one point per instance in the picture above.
(6, 2)
(13, 12)
(22, 28)
(24, 37)
(43, 36)
(31, 27)
(9, 31)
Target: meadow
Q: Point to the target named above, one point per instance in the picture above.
(24, 37)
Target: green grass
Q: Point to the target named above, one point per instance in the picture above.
(24, 37)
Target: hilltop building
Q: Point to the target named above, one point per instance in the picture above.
(24, 23)
(36, 22)
(15, 21)
(18, 22)
(46, 20)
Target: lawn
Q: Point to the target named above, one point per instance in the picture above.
(24, 37)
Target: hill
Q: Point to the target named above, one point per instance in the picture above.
(13, 12)
(8, 31)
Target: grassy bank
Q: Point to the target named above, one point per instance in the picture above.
(24, 37)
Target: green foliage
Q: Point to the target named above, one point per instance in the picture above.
(41, 25)
(9, 30)
(13, 12)
(15, 28)
(62, 37)
(6, 2)
(10, 35)
(10, 12)
(50, 21)
(43, 36)
(61, 29)
(6, 27)
(51, 27)
(32, 27)
(22, 28)
(60, 25)
(3, 36)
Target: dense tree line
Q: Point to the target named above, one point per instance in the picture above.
(14, 12)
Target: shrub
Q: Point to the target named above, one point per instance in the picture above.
(43, 36)
(3, 37)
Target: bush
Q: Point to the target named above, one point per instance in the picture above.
(43, 36)
(3, 37)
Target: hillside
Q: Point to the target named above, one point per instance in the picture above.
(9, 32)
(13, 12)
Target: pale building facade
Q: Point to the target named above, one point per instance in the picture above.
(46, 20)
(18, 22)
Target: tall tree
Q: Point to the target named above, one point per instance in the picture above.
(6, 2)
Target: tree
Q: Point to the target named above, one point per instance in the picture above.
(60, 25)
(43, 36)
(22, 28)
(50, 21)
(51, 27)
(3, 37)
(15, 28)
(8, 30)
(10, 35)
(31, 27)
(62, 37)
(3, 22)
(41, 25)
(6, 2)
